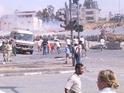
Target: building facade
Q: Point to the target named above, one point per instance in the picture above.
(91, 11)
(91, 15)
(21, 20)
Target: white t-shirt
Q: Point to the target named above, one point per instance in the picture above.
(107, 90)
(102, 41)
(76, 41)
(78, 48)
(57, 43)
(68, 41)
(39, 42)
(83, 40)
(74, 83)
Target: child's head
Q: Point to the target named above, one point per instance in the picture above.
(107, 78)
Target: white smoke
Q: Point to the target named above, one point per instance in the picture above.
(53, 26)
(3, 10)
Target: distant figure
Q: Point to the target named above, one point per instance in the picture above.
(13, 46)
(58, 46)
(82, 41)
(39, 43)
(68, 53)
(77, 53)
(73, 84)
(52, 45)
(107, 81)
(45, 46)
(9, 51)
(4, 50)
(76, 40)
(102, 43)
(68, 42)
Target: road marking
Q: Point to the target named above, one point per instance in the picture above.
(2, 75)
(64, 72)
(89, 78)
(32, 73)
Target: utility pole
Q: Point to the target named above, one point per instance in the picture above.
(119, 9)
(72, 34)
(78, 19)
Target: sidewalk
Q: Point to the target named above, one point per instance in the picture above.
(44, 66)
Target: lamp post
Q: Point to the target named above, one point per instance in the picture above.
(72, 34)
(119, 6)
(78, 18)
(72, 23)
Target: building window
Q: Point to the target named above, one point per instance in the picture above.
(89, 12)
(89, 18)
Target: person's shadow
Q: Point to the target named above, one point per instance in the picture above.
(12, 88)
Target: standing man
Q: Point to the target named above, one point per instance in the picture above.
(4, 49)
(68, 42)
(73, 84)
(45, 46)
(14, 46)
(102, 43)
(83, 44)
(77, 53)
(58, 46)
(9, 51)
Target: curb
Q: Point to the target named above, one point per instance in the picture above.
(34, 73)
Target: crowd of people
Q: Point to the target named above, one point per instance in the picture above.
(47, 46)
(106, 80)
(79, 47)
(8, 49)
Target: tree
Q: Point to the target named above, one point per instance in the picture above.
(45, 15)
(39, 14)
(50, 9)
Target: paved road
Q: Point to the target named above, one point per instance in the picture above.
(55, 63)
(48, 83)
(45, 83)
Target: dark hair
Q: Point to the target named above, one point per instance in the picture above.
(78, 66)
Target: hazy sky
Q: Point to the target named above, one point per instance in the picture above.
(9, 6)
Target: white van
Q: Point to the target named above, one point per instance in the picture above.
(24, 40)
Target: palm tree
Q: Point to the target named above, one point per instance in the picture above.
(50, 9)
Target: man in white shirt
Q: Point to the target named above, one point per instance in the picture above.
(73, 84)
(82, 40)
(102, 43)
(75, 40)
(68, 42)
(58, 46)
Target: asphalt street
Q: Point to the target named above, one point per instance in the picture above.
(39, 64)
(43, 74)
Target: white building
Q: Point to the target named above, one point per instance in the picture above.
(90, 11)
(91, 15)
(21, 20)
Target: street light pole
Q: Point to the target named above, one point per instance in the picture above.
(72, 45)
(78, 19)
(119, 6)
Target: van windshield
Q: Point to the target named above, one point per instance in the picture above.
(22, 36)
